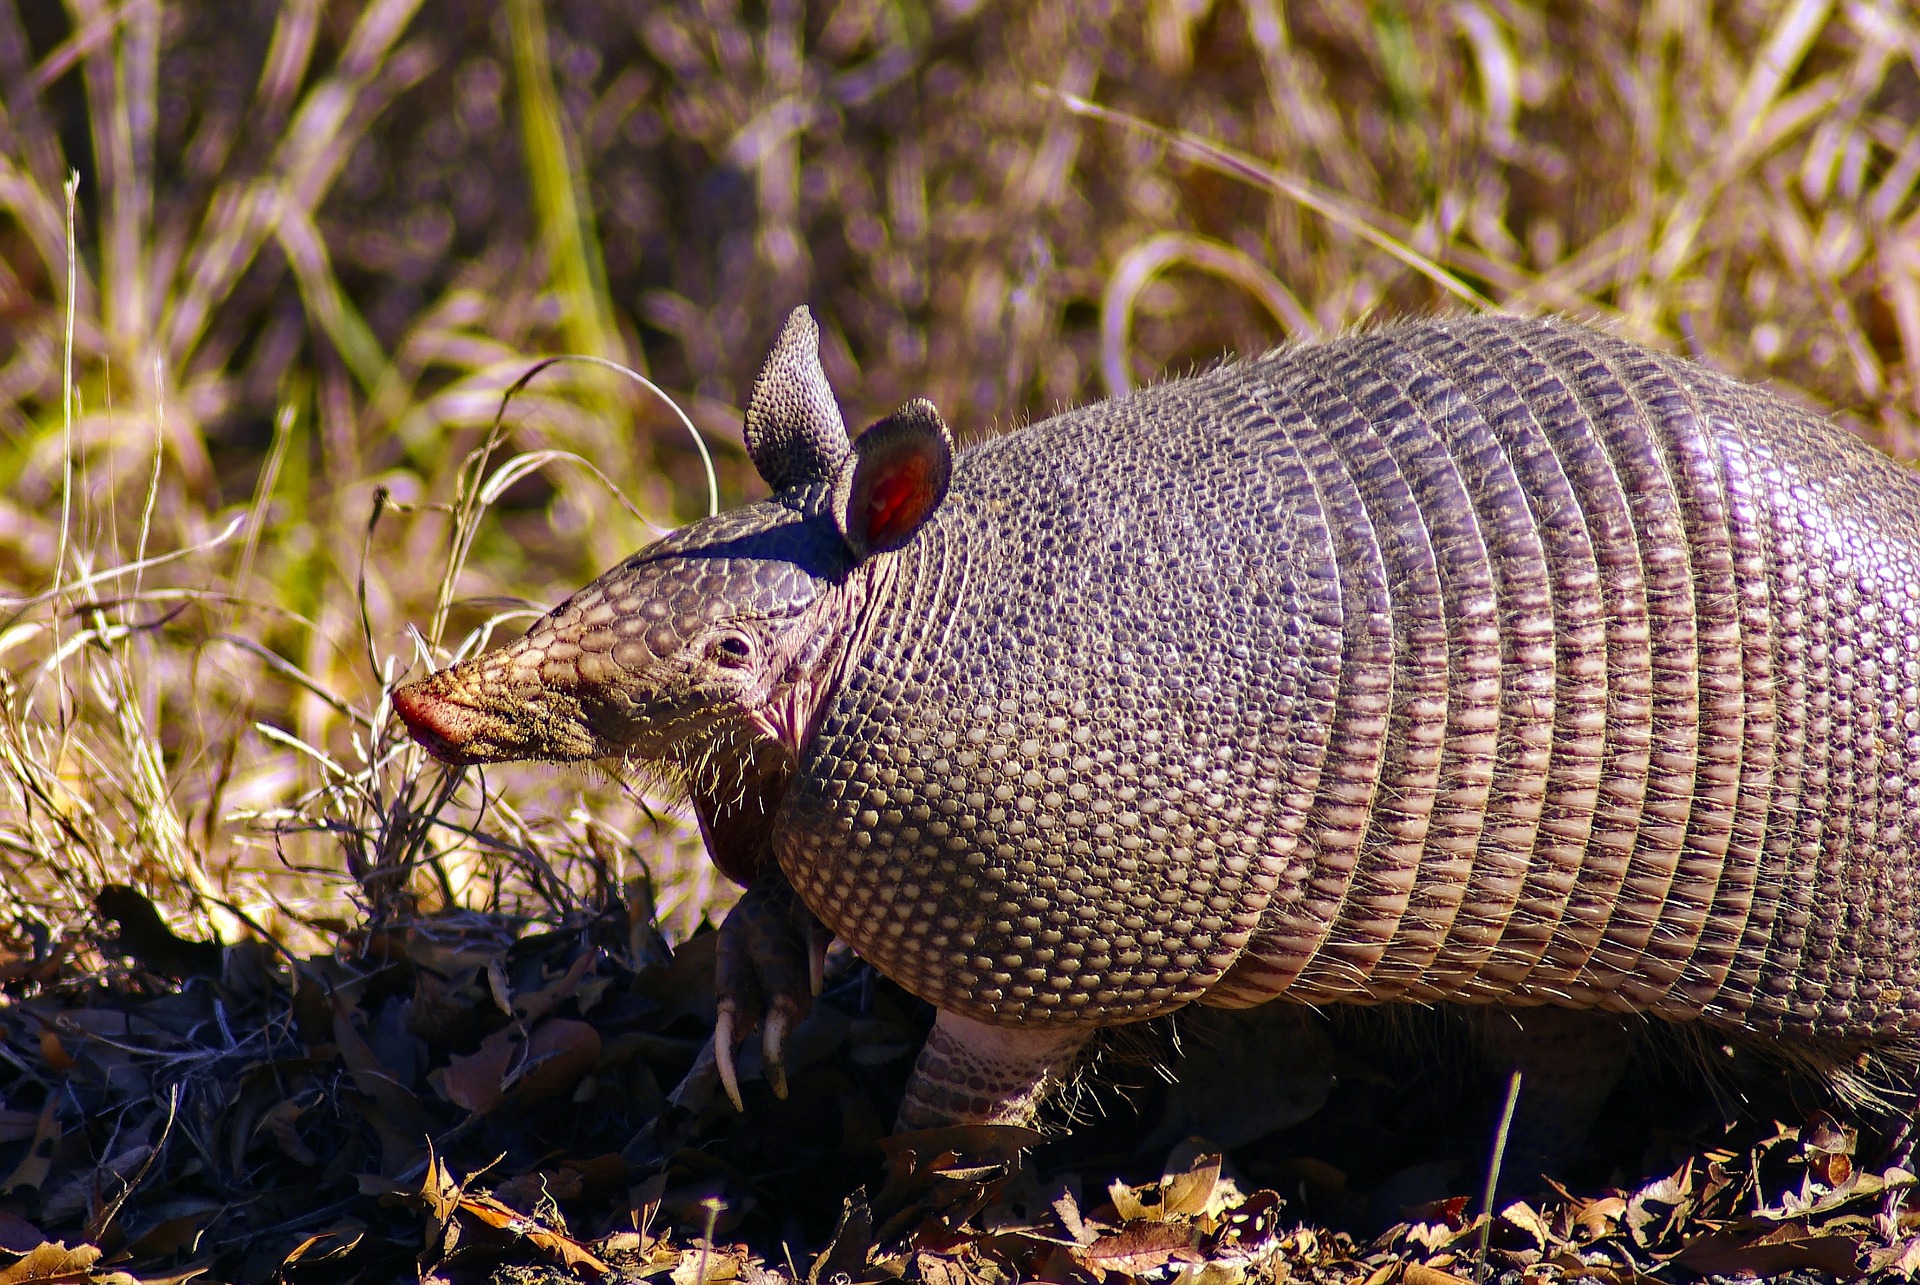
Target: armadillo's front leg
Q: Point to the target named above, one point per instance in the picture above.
(768, 967)
(973, 1073)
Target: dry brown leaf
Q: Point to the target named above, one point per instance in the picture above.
(54, 1053)
(1824, 1134)
(846, 1253)
(1648, 1225)
(1139, 1248)
(281, 1123)
(967, 1145)
(1193, 1192)
(473, 1081)
(1383, 1273)
(498, 1216)
(1134, 1204)
(1596, 1218)
(558, 1053)
(499, 987)
(440, 1189)
(1067, 1210)
(1902, 1258)
(697, 1266)
(1212, 1272)
(531, 1007)
(34, 1167)
(395, 1113)
(335, 1242)
(1523, 1217)
(52, 1263)
(1777, 1249)
(17, 1235)
(1416, 1274)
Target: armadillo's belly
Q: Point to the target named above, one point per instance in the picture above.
(1485, 660)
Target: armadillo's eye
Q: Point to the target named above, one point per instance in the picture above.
(731, 650)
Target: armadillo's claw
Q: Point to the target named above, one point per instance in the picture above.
(773, 1050)
(770, 963)
(723, 1042)
(818, 939)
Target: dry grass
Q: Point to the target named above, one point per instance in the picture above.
(315, 240)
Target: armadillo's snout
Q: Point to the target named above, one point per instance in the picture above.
(496, 709)
(441, 725)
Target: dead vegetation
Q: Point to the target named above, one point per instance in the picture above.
(265, 270)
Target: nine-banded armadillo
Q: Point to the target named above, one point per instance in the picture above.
(1485, 660)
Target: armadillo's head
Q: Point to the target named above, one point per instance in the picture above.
(717, 644)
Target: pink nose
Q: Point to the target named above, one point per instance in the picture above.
(434, 721)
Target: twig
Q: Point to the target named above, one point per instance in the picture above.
(1493, 1174)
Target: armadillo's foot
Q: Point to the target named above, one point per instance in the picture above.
(770, 963)
(973, 1073)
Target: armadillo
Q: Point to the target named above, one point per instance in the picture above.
(1484, 660)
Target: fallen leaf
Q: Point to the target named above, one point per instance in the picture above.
(558, 1053)
(1523, 1217)
(440, 1189)
(1140, 1248)
(1134, 1204)
(50, 1263)
(698, 1266)
(17, 1235)
(1067, 1210)
(970, 1145)
(1902, 1257)
(1192, 1191)
(54, 1053)
(494, 1214)
(473, 1081)
(281, 1123)
(395, 1113)
(1779, 1249)
(335, 1242)
(846, 1254)
(1212, 1272)
(1416, 1274)
(533, 1006)
(38, 1162)
(1596, 1218)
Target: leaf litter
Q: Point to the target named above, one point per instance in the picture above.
(457, 1097)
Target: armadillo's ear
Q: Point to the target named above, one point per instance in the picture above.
(894, 479)
(794, 431)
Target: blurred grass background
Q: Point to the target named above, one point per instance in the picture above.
(312, 241)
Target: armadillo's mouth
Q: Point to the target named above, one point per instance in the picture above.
(443, 727)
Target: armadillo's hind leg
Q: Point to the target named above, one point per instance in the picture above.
(973, 1073)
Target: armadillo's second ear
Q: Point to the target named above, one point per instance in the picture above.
(794, 431)
(894, 479)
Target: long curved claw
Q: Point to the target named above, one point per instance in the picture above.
(773, 1049)
(818, 939)
(723, 1041)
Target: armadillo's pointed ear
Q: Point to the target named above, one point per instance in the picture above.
(794, 431)
(893, 480)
